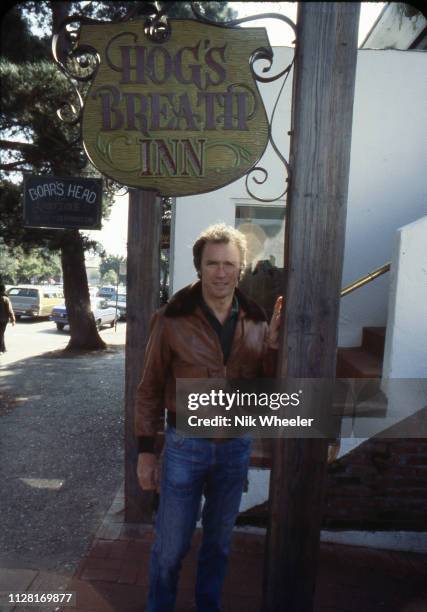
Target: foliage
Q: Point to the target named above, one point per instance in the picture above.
(38, 13)
(14, 28)
(111, 263)
(110, 11)
(33, 138)
(32, 93)
(109, 278)
(40, 265)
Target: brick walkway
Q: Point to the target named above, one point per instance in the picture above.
(113, 576)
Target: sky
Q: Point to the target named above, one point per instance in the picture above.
(113, 235)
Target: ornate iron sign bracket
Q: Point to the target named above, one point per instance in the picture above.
(153, 120)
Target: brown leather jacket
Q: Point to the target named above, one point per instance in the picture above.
(183, 344)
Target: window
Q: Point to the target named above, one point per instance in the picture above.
(24, 292)
(264, 228)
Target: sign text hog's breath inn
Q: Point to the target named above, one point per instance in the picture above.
(178, 117)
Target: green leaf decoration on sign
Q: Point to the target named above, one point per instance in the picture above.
(241, 154)
(101, 145)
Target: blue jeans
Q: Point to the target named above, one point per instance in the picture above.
(192, 467)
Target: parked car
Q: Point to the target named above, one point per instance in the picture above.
(103, 313)
(120, 303)
(107, 292)
(33, 300)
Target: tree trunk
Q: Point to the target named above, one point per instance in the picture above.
(84, 334)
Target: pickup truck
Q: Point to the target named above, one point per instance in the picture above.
(33, 300)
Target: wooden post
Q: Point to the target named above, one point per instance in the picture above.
(143, 290)
(325, 63)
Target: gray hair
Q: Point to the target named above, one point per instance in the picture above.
(219, 233)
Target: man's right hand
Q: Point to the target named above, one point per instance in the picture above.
(148, 471)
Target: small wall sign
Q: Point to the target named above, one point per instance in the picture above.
(63, 203)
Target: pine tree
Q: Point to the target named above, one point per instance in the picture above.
(35, 140)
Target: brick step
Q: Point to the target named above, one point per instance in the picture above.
(355, 362)
(352, 362)
(373, 340)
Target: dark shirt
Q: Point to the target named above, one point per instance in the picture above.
(226, 330)
(225, 334)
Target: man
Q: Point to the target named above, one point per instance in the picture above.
(207, 330)
(6, 315)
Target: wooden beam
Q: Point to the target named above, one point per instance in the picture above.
(325, 64)
(143, 290)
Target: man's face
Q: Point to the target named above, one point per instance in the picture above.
(219, 270)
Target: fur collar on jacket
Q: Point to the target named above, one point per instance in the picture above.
(184, 302)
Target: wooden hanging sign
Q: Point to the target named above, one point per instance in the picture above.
(180, 117)
(62, 202)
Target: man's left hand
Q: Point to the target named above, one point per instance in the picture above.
(274, 328)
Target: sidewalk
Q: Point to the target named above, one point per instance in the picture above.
(110, 573)
(61, 419)
(113, 575)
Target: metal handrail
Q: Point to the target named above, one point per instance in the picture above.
(365, 279)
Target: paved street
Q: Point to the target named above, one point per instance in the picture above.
(61, 461)
(30, 337)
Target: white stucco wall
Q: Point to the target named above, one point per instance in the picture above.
(388, 179)
(387, 187)
(405, 354)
